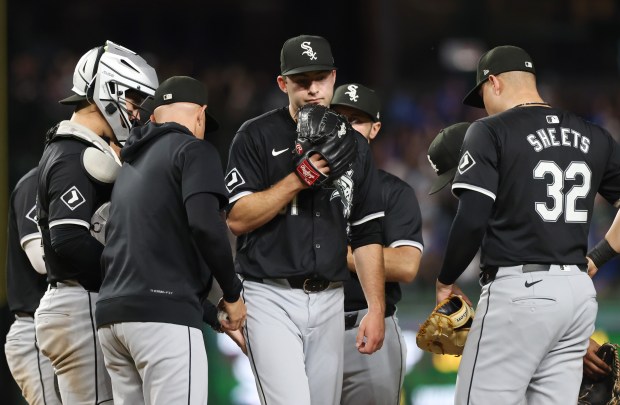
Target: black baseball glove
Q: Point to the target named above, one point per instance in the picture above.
(323, 131)
(605, 391)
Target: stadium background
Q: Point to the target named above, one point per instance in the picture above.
(419, 55)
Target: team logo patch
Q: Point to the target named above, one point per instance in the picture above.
(233, 180)
(308, 50)
(552, 119)
(32, 214)
(466, 162)
(73, 198)
(352, 93)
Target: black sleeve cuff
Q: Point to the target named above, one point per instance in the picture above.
(367, 233)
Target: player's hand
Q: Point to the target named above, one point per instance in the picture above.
(320, 163)
(591, 268)
(238, 338)
(235, 312)
(443, 291)
(371, 333)
(593, 366)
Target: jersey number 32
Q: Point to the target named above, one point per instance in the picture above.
(563, 202)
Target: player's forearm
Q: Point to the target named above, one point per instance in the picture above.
(371, 273)
(256, 209)
(401, 263)
(466, 234)
(211, 239)
(613, 234)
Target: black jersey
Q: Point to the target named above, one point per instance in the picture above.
(402, 226)
(543, 167)
(309, 236)
(25, 286)
(68, 196)
(153, 272)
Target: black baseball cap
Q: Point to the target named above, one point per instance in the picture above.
(506, 58)
(359, 97)
(443, 154)
(184, 89)
(306, 53)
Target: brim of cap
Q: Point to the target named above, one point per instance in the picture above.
(473, 97)
(373, 118)
(309, 68)
(74, 99)
(442, 180)
(212, 124)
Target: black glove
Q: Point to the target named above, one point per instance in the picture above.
(323, 131)
(607, 390)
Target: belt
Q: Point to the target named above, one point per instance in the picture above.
(20, 314)
(308, 284)
(352, 318)
(64, 283)
(490, 272)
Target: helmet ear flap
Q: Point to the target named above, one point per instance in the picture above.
(91, 86)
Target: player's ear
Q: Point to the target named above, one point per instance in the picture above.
(282, 84)
(374, 130)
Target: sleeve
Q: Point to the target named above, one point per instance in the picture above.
(402, 225)
(72, 195)
(610, 184)
(24, 203)
(367, 201)
(211, 240)
(201, 171)
(244, 174)
(478, 164)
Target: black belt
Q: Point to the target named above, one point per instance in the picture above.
(306, 283)
(490, 272)
(350, 318)
(21, 314)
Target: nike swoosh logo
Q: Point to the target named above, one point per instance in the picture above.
(528, 285)
(278, 152)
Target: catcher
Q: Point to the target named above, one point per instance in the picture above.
(601, 375)
(446, 328)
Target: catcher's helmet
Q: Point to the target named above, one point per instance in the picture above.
(103, 75)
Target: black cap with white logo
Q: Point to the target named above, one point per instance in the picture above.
(506, 58)
(359, 97)
(306, 53)
(443, 154)
(184, 89)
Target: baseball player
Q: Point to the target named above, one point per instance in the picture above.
(26, 284)
(167, 199)
(526, 182)
(377, 379)
(76, 173)
(292, 244)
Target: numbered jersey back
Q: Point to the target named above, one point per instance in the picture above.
(543, 167)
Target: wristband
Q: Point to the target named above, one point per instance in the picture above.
(601, 253)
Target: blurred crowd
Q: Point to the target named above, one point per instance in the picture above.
(412, 114)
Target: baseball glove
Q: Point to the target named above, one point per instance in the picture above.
(323, 131)
(607, 390)
(446, 328)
